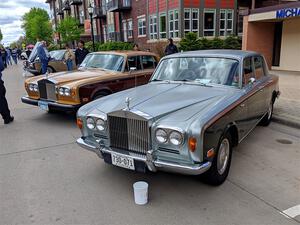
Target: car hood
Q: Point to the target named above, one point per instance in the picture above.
(156, 100)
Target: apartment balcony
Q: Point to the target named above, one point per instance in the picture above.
(100, 12)
(59, 12)
(66, 6)
(118, 5)
(75, 2)
(113, 36)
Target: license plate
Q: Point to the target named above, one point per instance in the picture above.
(43, 105)
(122, 161)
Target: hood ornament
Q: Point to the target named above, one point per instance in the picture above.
(127, 101)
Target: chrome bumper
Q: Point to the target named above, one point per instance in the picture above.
(153, 165)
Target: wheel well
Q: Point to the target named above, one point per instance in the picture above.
(105, 92)
(234, 135)
(52, 68)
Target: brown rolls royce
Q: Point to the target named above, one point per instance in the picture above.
(100, 74)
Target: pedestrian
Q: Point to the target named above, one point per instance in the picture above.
(80, 53)
(136, 47)
(8, 56)
(44, 56)
(69, 57)
(19, 52)
(4, 110)
(3, 56)
(171, 48)
(14, 55)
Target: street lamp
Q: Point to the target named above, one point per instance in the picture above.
(91, 11)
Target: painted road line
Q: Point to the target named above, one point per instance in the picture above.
(293, 211)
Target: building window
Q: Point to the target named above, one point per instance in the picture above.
(209, 22)
(162, 26)
(191, 20)
(173, 24)
(142, 26)
(130, 28)
(226, 22)
(153, 26)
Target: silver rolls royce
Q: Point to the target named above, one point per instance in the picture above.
(197, 106)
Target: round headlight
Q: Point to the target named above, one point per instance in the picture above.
(100, 124)
(90, 123)
(67, 92)
(35, 88)
(161, 135)
(61, 91)
(176, 138)
(31, 87)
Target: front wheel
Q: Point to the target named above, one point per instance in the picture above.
(219, 169)
(266, 120)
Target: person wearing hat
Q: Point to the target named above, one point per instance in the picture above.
(171, 48)
(4, 110)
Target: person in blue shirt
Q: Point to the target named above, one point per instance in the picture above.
(4, 110)
(43, 55)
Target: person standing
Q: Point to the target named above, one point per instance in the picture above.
(80, 53)
(43, 55)
(4, 110)
(14, 55)
(8, 56)
(3, 56)
(171, 48)
(69, 57)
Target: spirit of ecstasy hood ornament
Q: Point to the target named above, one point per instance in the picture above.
(127, 101)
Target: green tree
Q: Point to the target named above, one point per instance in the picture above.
(1, 35)
(37, 26)
(190, 42)
(69, 30)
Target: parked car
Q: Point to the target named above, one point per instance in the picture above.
(56, 63)
(196, 108)
(100, 74)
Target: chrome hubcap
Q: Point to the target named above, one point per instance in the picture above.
(223, 156)
(270, 111)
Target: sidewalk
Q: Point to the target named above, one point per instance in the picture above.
(287, 107)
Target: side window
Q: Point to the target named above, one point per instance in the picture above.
(259, 67)
(134, 62)
(148, 62)
(247, 70)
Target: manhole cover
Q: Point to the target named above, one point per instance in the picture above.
(284, 141)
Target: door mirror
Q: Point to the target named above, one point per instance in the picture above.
(251, 80)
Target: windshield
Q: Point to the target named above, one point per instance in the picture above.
(57, 55)
(103, 61)
(203, 70)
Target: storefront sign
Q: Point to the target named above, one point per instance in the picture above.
(289, 12)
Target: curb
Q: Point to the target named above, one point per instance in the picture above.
(286, 121)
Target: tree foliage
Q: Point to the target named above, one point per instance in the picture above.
(69, 30)
(36, 25)
(1, 35)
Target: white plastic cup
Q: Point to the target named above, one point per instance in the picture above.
(140, 190)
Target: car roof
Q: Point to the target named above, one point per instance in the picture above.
(227, 53)
(127, 53)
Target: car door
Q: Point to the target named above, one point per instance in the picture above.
(253, 95)
(148, 64)
(135, 71)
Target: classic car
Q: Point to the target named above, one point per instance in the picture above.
(56, 63)
(195, 109)
(100, 74)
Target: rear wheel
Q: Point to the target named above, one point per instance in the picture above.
(219, 169)
(266, 120)
(50, 69)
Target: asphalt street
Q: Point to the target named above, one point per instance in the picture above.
(45, 178)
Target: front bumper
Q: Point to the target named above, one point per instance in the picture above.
(152, 165)
(52, 105)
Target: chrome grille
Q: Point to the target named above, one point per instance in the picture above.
(129, 134)
(47, 90)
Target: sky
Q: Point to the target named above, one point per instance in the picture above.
(11, 12)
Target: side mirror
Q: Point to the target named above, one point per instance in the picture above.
(131, 69)
(252, 80)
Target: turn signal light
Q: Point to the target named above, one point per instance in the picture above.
(192, 144)
(210, 153)
(79, 123)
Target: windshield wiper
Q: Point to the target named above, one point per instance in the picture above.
(194, 81)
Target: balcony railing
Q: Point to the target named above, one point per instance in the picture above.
(118, 5)
(75, 2)
(66, 5)
(100, 12)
